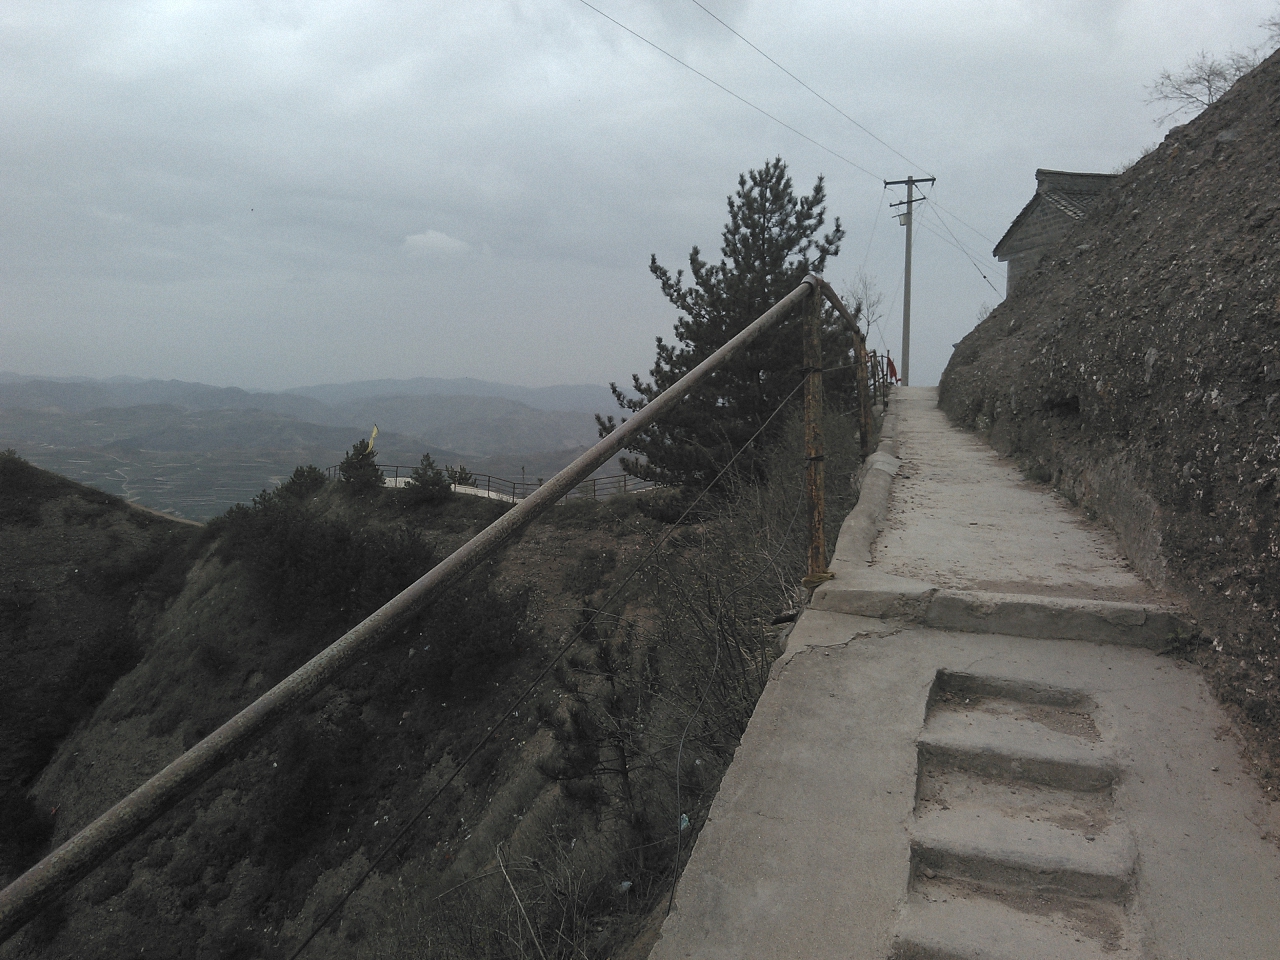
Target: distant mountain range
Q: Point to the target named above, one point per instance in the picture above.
(474, 418)
(161, 442)
(588, 398)
(131, 391)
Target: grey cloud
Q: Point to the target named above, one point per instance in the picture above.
(279, 193)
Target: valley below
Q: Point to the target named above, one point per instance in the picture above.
(193, 451)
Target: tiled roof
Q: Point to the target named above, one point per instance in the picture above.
(1060, 199)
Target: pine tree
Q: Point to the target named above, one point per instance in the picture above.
(305, 482)
(770, 243)
(359, 472)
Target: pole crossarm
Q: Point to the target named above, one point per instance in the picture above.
(74, 859)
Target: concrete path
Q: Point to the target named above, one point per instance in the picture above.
(972, 748)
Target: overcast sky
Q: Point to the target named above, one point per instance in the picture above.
(269, 194)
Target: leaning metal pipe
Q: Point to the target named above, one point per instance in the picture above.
(64, 867)
(860, 344)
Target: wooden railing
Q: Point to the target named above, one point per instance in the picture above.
(74, 859)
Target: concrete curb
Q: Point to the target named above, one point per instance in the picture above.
(858, 589)
(852, 554)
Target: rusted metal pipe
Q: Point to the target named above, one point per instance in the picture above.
(64, 867)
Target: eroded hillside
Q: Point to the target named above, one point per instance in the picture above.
(82, 575)
(1138, 370)
(563, 832)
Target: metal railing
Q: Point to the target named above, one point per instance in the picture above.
(74, 859)
(513, 491)
(878, 372)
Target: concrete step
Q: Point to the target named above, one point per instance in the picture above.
(1149, 625)
(941, 788)
(1006, 748)
(868, 592)
(948, 924)
(954, 686)
(983, 846)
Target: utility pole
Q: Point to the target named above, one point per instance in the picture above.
(905, 220)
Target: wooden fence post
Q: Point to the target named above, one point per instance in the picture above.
(815, 484)
(864, 394)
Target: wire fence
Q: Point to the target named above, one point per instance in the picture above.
(513, 491)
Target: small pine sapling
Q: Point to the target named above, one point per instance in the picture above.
(427, 483)
(460, 476)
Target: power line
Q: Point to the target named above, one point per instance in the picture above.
(736, 96)
(952, 240)
(837, 109)
(949, 242)
(882, 143)
(780, 122)
(963, 252)
(962, 223)
(959, 246)
(874, 220)
(956, 217)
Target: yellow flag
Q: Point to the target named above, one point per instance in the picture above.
(372, 436)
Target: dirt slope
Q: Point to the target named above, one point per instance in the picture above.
(1138, 370)
(82, 574)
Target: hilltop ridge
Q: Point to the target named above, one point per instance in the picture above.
(584, 397)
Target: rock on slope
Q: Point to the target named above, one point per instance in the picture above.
(1138, 369)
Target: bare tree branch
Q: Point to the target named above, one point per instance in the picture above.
(1203, 80)
(1272, 26)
